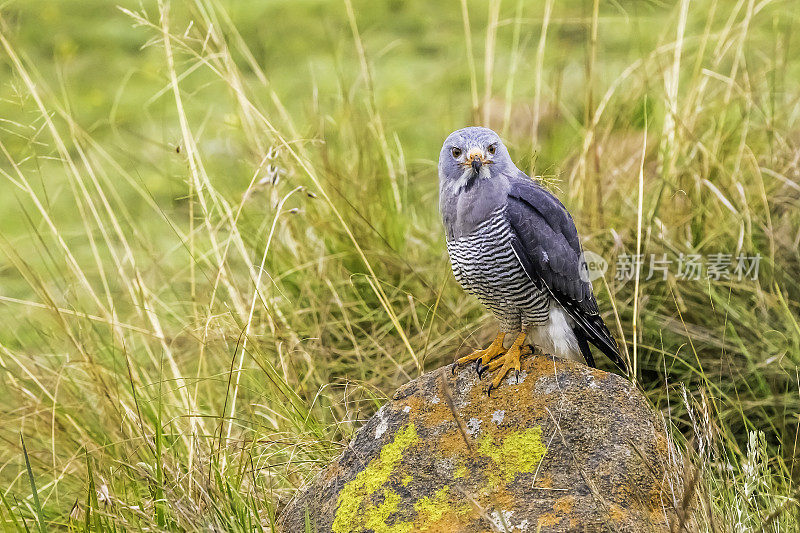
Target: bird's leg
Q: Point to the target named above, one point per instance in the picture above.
(508, 361)
(486, 355)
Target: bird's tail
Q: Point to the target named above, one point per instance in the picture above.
(584, 346)
(593, 329)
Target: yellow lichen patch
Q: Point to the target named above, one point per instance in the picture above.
(519, 452)
(436, 513)
(406, 480)
(431, 509)
(355, 507)
(461, 471)
(375, 517)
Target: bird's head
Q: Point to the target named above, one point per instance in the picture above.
(472, 154)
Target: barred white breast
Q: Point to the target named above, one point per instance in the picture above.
(485, 265)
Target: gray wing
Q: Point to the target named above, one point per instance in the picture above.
(546, 243)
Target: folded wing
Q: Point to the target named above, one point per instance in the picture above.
(546, 243)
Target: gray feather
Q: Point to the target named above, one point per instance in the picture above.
(543, 228)
(513, 245)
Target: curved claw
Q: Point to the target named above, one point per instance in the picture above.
(510, 361)
(495, 349)
(481, 369)
(489, 391)
(478, 366)
(454, 368)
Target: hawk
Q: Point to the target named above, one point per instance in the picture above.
(514, 246)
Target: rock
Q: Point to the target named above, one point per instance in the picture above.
(568, 448)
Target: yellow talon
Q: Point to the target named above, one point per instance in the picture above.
(486, 355)
(500, 361)
(507, 362)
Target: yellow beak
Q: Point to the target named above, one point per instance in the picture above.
(476, 153)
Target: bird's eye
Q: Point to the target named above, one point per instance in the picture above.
(456, 152)
(491, 149)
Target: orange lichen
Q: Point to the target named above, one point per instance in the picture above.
(416, 404)
(564, 505)
(403, 488)
(616, 513)
(451, 443)
(548, 519)
(544, 480)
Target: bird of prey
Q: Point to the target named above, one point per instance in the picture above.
(514, 246)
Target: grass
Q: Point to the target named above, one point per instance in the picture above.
(220, 248)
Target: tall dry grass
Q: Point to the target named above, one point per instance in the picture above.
(194, 325)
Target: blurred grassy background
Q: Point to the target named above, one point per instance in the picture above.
(220, 246)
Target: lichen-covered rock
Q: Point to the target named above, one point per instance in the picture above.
(568, 448)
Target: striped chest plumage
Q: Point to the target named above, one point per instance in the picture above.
(485, 265)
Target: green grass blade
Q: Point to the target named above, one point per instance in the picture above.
(34, 493)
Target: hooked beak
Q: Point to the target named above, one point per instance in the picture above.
(476, 159)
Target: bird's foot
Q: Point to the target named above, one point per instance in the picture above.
(510, 360)
(483, 356)
(499, 362)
